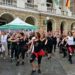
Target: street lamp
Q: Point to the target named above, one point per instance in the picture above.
(47, 18)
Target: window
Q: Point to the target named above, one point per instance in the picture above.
(49, 3)
(4, 1)
(30, 1)
(7, 1)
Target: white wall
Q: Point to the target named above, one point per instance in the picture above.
(0, 0)
(42, 5)
(36, 2)
(21, 3)
(25, 1)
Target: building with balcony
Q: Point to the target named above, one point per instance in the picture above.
(73, 6)
(47, 14)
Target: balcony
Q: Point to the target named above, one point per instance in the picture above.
(31, 6)
(51, 10)
(13, 4)
(65, 13)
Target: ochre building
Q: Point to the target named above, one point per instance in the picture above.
(47, 14)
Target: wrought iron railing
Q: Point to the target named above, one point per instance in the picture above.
(65, 13)
(13, 4)
(51, 10)
(31, 6)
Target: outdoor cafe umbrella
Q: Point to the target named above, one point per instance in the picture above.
(18, 24)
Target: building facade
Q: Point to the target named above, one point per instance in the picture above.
(47, 14)
(73, 6)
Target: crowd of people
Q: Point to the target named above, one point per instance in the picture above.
(17, 44)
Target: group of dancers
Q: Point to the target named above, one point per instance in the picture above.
(39, 45)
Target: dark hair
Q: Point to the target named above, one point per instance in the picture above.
(38, 35)
(22, 34)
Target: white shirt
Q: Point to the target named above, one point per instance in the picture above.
(3, 38)
(70, 40)
(2, 49)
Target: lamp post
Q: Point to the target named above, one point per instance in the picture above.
(47, 18)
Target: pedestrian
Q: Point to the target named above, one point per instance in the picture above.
(49, 44)
(64, 46)
(22, 48)
(43, 40)
(60, 43)
(2, 50)
(70, 46)
(4, 43)
(13, 46)
(54, 42)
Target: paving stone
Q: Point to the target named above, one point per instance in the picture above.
(48, 67)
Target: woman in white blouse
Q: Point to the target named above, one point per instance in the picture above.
(4, 42)
(70, 45)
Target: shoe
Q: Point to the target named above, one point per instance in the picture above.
(22, 63)
(32, 73)
(39, 71)
(70, 61)
(64, 56)
(49, 57)
(17, 64)
(11, 60)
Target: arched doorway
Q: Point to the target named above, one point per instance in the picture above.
(62, 27)
(73, 26)
(6, 18)
(49, 25)
(2, 21)
(30, 20)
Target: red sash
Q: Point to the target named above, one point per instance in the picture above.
(40, 53)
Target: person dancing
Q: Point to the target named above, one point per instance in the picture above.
(37, 53)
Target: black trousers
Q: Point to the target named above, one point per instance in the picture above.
(49, 49)
(33, 57)
(54, 47)
(13, 51)
(22, 52)
(60, 48)
(70, 58)
(64, 52)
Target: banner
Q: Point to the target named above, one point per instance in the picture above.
(68, 3)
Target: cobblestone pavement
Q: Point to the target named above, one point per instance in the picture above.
(69, 68)
(55, 66)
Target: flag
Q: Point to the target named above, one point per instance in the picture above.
(68, 3)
